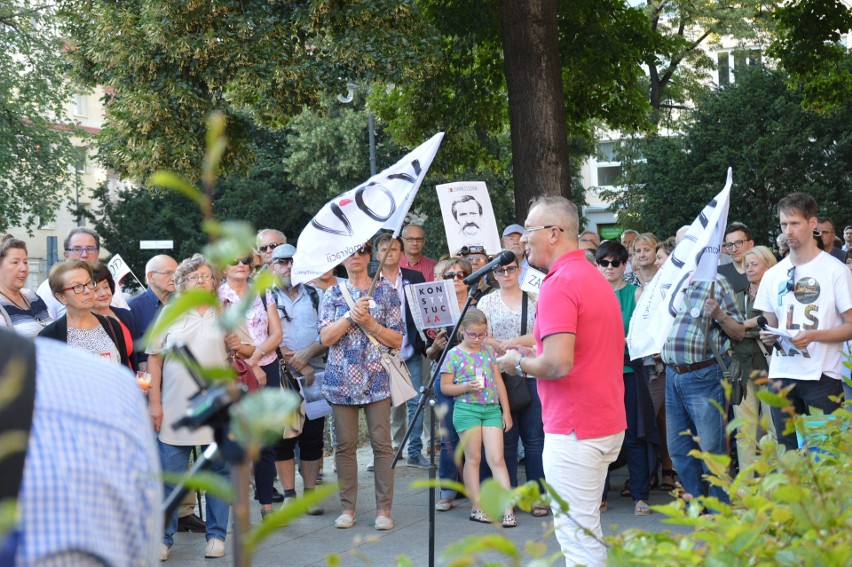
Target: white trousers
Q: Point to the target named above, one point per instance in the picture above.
(577, 470)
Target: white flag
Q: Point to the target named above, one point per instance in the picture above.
(118, 268)
(696, 258)
(350, 219)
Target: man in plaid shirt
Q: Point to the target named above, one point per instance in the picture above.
(694, 379)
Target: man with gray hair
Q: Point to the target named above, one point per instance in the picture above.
(81, 244)
(268, 239)
(160, 277)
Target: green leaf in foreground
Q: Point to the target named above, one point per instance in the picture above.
(209, 482)
(176, 308)
(175, 182)
(260, 417)
(289, 512)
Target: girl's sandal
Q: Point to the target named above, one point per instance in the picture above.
(479, 516)
(509, 521)
(540, 511)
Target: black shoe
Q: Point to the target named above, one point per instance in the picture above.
(277, 497)
(192, 523)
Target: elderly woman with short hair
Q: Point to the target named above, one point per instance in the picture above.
(73, 285)
(21, 309)
(171, 388)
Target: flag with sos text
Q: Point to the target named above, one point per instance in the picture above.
(350, 219)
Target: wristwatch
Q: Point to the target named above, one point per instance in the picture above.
(348, 316)
(518, 369)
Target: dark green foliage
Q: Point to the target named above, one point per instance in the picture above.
(758, 127)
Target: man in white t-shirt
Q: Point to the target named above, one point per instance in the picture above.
(808, 295)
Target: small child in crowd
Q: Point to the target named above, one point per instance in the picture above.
(470, 373)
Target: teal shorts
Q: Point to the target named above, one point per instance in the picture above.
(467, 416)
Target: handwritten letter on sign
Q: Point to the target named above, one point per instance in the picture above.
(532, 280)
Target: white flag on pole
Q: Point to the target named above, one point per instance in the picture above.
(350, 219)
(696, 258)
(118, 268)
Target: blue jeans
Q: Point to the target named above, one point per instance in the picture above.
(175, 459)
(528, 426)
(688, 407)
(447, 469)
(804, 395)
(415, 443)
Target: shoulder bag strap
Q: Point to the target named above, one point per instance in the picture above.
(6, 318)
(524, 307)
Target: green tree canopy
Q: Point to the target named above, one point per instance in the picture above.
(35, 151)
(758, 127)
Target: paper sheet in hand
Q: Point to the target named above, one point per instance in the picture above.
(316, 405)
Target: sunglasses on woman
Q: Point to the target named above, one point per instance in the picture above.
(455, 275)
(608, 263)
(363, 251)
(505, 271)
(244, 261)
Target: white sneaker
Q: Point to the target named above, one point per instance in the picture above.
(215, 548)
(383, 523)
(164, 552)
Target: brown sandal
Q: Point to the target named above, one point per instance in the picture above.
(540, 511)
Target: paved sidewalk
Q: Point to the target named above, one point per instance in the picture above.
(311, 539)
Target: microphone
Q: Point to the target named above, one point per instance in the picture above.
(501, 259)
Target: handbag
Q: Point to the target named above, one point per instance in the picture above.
(517, 387)
(401, 388)
(288, 383)
(244, 373)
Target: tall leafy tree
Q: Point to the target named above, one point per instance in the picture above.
(757, 126)
(36, 153)
(170, 63)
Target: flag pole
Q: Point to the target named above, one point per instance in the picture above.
(379, 270)
(710, 318)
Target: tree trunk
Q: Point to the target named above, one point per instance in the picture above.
(536, 114)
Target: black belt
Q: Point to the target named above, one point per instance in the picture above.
(684, 368)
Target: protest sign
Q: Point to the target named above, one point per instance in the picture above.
(532, 280)
(468, 216)
(433, 304)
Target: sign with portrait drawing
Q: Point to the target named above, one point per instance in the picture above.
(468, 216)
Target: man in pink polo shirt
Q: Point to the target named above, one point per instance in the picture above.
(579, 362)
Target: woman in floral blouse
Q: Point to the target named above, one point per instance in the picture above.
(355, 379)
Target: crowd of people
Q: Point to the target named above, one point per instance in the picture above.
(587, 406)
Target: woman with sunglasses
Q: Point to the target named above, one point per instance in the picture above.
(355, 378)
(455, 269)
(641, 438)
(504, 309)
(21, 309)
(264, 327)
(73, 285)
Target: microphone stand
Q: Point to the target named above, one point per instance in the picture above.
(427, 396)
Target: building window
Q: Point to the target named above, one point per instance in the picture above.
(81, 161)
(608, 175)
(81, 105)
(724, 68)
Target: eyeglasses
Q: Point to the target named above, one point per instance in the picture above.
(79, 250)
(475, 336)
(529, 229)
(80, 288)
(415, 239)
(736, 244)
(363, 251)
(244, 261)
(791, 279)
(197, 279)
(505, 271)
(163, 272)
(454, 275)
(282, 261)
(269, 247)
(608, 263)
